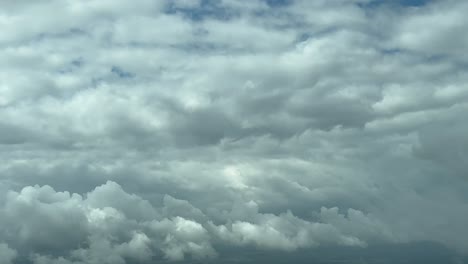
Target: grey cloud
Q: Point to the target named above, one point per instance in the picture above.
(14, 135)
(220, 131)
(7, 255)
(435, 30)
(108, 225)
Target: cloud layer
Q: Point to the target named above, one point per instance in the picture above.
(233, 131)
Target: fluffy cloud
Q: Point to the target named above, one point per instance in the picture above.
(217, 130)
(7, 255)
(59, 227)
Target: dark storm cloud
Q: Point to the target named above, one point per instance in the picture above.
(233, 131)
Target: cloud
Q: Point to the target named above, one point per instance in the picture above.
(7, 255)
(445, 21)
(109, 225)
(219, 131)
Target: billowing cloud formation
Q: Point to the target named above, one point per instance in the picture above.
(6, 254)
(233, 131)
(108, 225)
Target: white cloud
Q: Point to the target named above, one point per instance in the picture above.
(7, 255)
(435, 30)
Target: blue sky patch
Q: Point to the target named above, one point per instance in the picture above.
(207, 9)
(403, 3)
(121, 73)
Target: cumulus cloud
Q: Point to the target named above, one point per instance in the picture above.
(234, 132)
(7, 255)
(57, 227)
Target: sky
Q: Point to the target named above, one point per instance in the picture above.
(233, 131)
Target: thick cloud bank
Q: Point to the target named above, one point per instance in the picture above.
(222, 131)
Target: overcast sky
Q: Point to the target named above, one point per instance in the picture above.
(233, 131)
